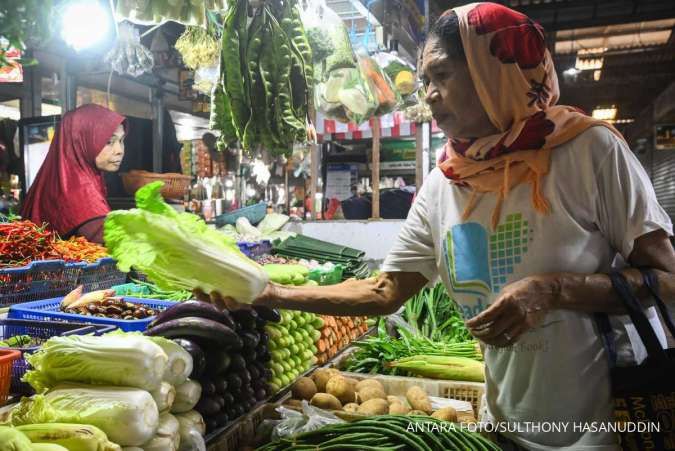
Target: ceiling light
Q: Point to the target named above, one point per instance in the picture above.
(597, 74)
(589, 63)
(572, 71)
(605, 113)
(84, 24)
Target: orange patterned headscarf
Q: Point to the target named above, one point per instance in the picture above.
(517, 85)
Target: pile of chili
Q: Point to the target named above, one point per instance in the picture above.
(23, 241)
(78, 249)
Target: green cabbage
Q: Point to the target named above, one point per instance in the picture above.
(179, 251)
(116, 359)
(128, 416)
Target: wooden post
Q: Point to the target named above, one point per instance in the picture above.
(375, 170)
(419, 156)
(314, 178)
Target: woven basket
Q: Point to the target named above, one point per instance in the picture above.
(174, 184)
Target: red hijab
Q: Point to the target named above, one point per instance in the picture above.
(69, 189)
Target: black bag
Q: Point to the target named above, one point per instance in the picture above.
(644, 395)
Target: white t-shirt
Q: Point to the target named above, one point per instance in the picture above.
(601, 201)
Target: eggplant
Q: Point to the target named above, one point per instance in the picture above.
(220, 401)
(211, 425)
(264, 338)
(222, 419)
(260, 323)
(198, 357)
(234, 382)
(245, 376)
(237, 362)
(254, 372)
(221, 385)
(229, 399)
(268, 314)
(199, 329)
(218, 362)
(246, 318)
(232, 413)
(250, 356)
(263, 356)
(267, 374)
(207, 407)
(240, 410)
(250, 340)
(197, 309)
(208, 388)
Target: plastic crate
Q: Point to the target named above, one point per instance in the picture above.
(255, 249)
(332, 277)
(39, 331)
(48, 310)
(254, 214)
(38, 280)
(7, 358)
(101, 275)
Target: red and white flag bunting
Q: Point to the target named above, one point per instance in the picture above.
(392, 125)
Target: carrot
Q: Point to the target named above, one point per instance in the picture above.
(321, 345)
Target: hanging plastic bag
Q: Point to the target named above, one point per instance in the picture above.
(206, 78)
(129, 56)
(388, 99)
(399, 72)
(346, 96)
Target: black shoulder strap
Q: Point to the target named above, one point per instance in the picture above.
(637, 315)
(652, 282)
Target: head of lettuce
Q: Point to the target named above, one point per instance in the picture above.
(179, 250)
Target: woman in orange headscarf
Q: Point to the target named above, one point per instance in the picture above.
(521, 221)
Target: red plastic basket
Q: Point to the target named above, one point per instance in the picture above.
(7, 358)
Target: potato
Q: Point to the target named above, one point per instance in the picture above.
(374, 407)
(352, 407)
(352, 382)
(369, 383)
(326, 401)
(418, 399)
(369, 393)
(321, 376)
(396, 408)
(446, 414)
(418, 412)
(398, 399)
(465, 417)
(304, 388)
(341, 389)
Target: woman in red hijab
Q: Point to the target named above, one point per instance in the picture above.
(69, 192)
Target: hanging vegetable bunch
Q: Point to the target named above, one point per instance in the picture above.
(157, 11)
(262, 96)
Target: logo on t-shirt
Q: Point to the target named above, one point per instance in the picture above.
(480, 263)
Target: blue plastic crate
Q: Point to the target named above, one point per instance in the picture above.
(254, 214)
(257, 249)
(39, 331)
(101, 275)
(38, 280)
(48, 310)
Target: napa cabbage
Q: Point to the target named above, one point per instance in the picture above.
(179, 251)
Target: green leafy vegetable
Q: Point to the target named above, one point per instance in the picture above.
(128, 416)
(179, 251)
(11, 439)
(124, 360)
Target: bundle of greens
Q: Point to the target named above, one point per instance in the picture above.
(262, 96)
(432, 314)
(179, 251)
(376, 354)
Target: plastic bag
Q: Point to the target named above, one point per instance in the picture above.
(399, 72)
(346, 96)
(129, 57)
(388, 98)
(206, 78)
(293, 423)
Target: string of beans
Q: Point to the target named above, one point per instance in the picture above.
(386, 432)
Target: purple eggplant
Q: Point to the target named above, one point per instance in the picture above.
(194, 309)
(268, 314)
(199, 329)
(197, 353)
